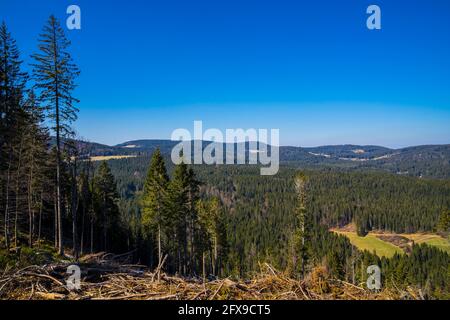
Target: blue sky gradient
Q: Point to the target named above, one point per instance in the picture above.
(311, 69)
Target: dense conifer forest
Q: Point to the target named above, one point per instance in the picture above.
(194, 221)
(261, 220)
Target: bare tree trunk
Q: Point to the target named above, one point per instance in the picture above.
(92, 235)
(159, 243)
(16, 233)
(159, 248)
(180, 266)
(58, 145)
(74, 208)
(56, 220)
(104, 230)
(214, 264)
(82, 231)
(185, 246)
(30, 227)
(30, 205)
(8, 179)
(204, 266)
(40, 219)
(353, 266)
(58, 189)
(192, 255)
(16, 215)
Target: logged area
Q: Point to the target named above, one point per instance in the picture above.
(108, 277)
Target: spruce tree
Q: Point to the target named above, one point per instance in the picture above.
(178, 215)
(153, 200)
(106, 197)
(443, 224)
(193, 197)
(211, 233)
(54, 74)
(301, 186)
(85, 199)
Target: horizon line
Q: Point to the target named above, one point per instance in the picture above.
(82, 139)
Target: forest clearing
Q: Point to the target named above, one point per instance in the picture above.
(386, 244)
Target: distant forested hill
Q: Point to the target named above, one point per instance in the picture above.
(429, 161)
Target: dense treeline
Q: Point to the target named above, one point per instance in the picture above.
(187, 230)
(49, 193)
(261, 220)
(264, 220)
(371, 199)
(25, 169)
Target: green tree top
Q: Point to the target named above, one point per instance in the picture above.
(155, 191)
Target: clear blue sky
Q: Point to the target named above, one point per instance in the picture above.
(310, 68)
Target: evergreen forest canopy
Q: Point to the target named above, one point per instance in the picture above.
(209, 221)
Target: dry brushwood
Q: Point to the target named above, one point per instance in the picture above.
(105, 277)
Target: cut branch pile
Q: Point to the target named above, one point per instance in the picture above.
(106, 277)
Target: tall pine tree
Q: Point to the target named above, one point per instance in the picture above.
(54, 73)
(105, 199)
(301, 186)
(153, 200)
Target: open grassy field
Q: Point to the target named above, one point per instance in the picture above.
(430, 239)
(105, 158)
(371, 243)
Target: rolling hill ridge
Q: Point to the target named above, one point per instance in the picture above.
(427, 161)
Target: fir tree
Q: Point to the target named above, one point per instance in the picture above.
(106, 197)
(178, 215)
(54, 74)
(301, 186)
(212, 233)
(153, 200)
(443, 224)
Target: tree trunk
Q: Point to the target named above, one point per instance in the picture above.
(16, 233)
(104, 230)
(30, 205)
(185, 246)
(92, 235)
(159, 248)
(56, 219)
(58, 144)
(204, 266)
(40, 220)
(74, 208)
(192, 254)
(82, 231)
(7, 244)
(215, 256)
(58, 202)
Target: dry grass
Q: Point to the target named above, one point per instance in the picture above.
(108, 279)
